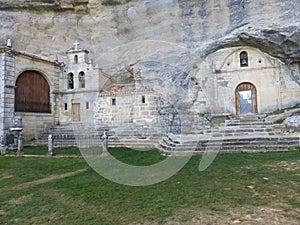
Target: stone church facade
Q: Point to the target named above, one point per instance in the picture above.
(44, 92)
(246, 74)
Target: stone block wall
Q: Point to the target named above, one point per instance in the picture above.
(80, 99)
(7, 85)
(86, 101)
(126, 108)
(35, 124)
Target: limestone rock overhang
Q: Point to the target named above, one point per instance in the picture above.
(282, 42)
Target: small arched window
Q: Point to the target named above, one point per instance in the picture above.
(244, 59)
(81, 79)
(70, 81)
(76, 59)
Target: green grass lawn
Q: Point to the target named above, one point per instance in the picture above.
(237, 188)
(43, 150)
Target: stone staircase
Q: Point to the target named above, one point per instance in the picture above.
(244, 134)
(134, 136)
(71, 135)
(89, 135)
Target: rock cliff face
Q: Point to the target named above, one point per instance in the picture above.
(170, 48)
(124, 29)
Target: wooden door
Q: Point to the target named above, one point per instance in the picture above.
(32, 93)
(76, 112)
(246, 99)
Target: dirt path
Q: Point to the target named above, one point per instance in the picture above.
(47, 179)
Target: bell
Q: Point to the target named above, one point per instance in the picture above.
(244, 62)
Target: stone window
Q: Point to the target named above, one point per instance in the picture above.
(70, 81)
(113, 101)
(244, 59)
(87, 105)
(143, 99)
(76, 59)
(66, 106)
(81, 78)
(32, 93)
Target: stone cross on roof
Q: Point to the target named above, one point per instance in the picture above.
(76, 44)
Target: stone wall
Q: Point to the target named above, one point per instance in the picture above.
(83, 95)
(35, 124)
(85, 101)
(7, 85)
(47, 67)
(266, 73)
(132, 115)
(126, 108)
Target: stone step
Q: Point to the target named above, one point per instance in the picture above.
(231, 144)
(87, 135)
(236, 148)
(240, 129)
(229, 150)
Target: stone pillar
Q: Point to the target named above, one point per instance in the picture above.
(50, 145)
(104, 139)
(7, 92)
(58, 76)
(20, 144)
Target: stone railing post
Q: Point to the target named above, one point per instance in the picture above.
(50, 145)
(104, 140)
(20, 144)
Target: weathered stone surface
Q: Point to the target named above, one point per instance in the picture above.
(293, 123)
(167, 45)
(41, 4)
(200, 26)
(281, 42)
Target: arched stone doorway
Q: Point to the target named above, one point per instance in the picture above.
(246, 99)
(32, 93)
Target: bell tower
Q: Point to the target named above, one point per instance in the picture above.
(76, 66)
(77, 57)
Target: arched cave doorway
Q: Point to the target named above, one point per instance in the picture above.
(246, 98)
(32, 93)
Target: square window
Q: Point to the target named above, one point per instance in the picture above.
(113, 101)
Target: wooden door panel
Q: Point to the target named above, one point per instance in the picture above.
(32, 93)
(76, 112)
